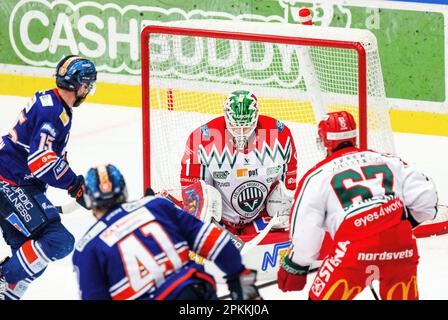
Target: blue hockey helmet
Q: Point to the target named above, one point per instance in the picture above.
(73, 71)
(104, 187)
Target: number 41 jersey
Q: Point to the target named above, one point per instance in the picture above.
(141, 251)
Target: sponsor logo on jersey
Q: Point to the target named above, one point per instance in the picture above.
(64, 118)
(404, 288)
(46, 100)
(271, 179)
(90, 235)
(48, 127)
(220, 174)
(328, 267)
(244, 172)
(123, 226)
(19, 200)
(222, 184)
(60, 169)
(248, 198)
(291, 181)
(14, 220)
(273, 170)
(241, 173)
(375, 256)
(205, 132)
(280, 126)
(47, 206)
(335, 291)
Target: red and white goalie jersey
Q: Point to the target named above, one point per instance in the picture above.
(244, 178)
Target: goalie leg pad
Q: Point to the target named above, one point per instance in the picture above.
(203, 201)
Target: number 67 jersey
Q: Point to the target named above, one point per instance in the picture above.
(349, 183)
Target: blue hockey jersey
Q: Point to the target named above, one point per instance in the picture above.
(141, 251)
(34, 150)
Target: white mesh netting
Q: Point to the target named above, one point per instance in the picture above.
(190, 77)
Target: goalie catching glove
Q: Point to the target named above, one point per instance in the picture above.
(203, 201)
(242, 286)
(279, 201)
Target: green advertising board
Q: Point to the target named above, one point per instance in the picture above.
(37, 33)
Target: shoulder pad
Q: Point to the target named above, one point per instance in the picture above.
(90, 235)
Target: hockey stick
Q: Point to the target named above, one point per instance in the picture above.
(245, 247)
(266, 284)
(68, 208)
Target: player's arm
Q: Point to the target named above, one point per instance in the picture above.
(92, 282)
(43, 161)
(214, 244)
(419, 195)
(306, 234)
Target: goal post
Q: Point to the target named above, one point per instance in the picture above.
(297, 72)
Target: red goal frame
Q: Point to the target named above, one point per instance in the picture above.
(146, 103)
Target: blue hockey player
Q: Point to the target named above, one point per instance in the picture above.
(33, 157)
(140, 250)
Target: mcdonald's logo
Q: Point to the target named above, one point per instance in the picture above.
(346, 294)
(405, 290)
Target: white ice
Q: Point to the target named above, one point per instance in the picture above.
(112, 134)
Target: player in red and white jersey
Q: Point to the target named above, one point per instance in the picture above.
(249, 158)
(369, 202)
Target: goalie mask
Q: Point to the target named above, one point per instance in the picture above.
(335, 129)
(241, 114)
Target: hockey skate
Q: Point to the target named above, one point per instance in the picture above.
(3, 283)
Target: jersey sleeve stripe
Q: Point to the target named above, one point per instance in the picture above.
(200, 236)
(223, 239)
(211, 240)
(42, 163)
(31, 259)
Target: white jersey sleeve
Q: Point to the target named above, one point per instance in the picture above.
(419, 195)
(307, 221)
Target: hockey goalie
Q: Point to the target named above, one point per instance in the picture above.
(243, 166)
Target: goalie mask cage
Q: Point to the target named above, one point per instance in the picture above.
(298, 73)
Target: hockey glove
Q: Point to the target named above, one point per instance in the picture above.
(76, 190)
(279, 202)
(291, 276)
(242, 286)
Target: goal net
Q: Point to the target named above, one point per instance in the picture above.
(298, 73)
